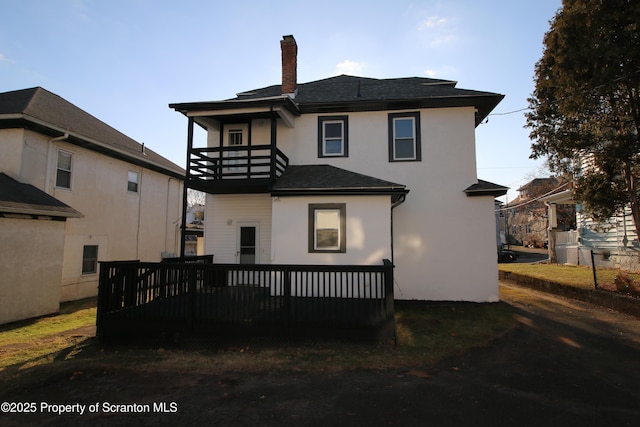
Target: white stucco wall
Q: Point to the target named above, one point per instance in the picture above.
(125, 225)
(444, 241)
(31, 267)
(368, 230)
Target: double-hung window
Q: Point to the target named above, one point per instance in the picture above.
(90, 259)
(327, 227)
(333, 136)
(63, 169)
(404, 137)
(133, 181)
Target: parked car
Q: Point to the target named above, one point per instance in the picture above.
(505, 255)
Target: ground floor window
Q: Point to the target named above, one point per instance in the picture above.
(90, 259)
(327, 227)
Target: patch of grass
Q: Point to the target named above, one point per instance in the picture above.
(39, 340)
(570, 275)
(427, 332)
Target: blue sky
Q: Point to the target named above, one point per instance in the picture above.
(124, 61)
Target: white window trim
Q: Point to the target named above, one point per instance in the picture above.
(325, 139)
(72, 156)
(137, 181)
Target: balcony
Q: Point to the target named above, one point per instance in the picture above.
(235, 169)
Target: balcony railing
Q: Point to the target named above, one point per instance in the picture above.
(230, 169)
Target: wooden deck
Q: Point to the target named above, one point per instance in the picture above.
(176, 297)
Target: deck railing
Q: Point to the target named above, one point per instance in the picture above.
(237, 162)
(188, 297)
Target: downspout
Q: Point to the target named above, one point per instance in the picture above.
(394, 205)
(47, 182)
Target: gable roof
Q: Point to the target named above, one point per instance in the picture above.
(351, 93)
(486, 188)
(25, 199)
(40, 110)
(330, 180)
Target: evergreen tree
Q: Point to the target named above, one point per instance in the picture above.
(585, 110)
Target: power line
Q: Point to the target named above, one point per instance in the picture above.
(535, 199)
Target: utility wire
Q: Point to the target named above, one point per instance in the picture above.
(535, 199)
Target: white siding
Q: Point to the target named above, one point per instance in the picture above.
(222, 217)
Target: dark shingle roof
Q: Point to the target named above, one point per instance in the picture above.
(48, 112)
(371, 94)
(326, 179)
(19, 198)
(486, 188)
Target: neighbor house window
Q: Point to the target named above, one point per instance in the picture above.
(327, 227)
(63, 169)
(133, 181)
(404, 137)
(90, 259)
(333, 136)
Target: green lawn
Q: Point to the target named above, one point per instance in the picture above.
(571, 275)
(426, 333)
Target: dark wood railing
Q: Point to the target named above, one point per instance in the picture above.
(237, 162)
(139, 297)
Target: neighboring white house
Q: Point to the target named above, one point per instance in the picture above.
(32, 232)
(129, 196)
(351, 170)
(614, 242)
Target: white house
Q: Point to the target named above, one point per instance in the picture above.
(127, 196)
(32, 232)
(351, 170)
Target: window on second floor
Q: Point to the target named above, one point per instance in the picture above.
(404, 137)
(63, 169)
(235, 137)
(333, 136)
(133, 181)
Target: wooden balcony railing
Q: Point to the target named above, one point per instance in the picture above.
(226, 169)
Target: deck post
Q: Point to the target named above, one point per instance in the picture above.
(185, 187)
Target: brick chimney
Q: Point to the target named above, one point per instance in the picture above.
(289, 64)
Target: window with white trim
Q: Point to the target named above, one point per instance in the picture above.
(333, 136)
(327, 227)
(404, 137)
(63, 169)
(133, 181)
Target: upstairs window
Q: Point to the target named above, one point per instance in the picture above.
(63, 169)
(235, 137)
(133, 181)
(333, 136)
(404, 137)
(327, 227)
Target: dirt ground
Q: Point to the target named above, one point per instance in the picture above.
(568, 363)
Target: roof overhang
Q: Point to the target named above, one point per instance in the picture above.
(486, 188)
(241, 109)
(562, 198)
(395, 193)
(25, 121)
(483, 105)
